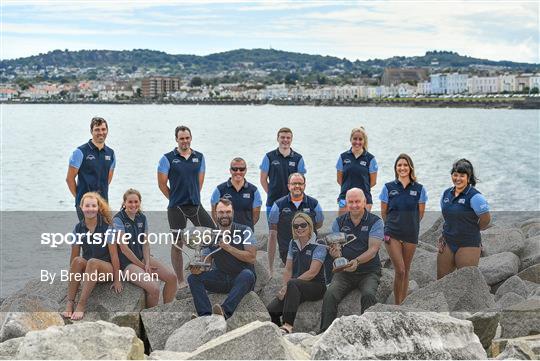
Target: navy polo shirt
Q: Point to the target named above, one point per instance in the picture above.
(135, 228)
(244, 200)
(461, 216)
(95, 246)
(402, 216)
(283, 212)
(183, 177)
(356, 172)
(278, 169)
(303, 257)
(226, 262)
(371, 226)
(94, 166)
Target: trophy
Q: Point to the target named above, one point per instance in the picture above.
(196, 238)
(340, 263)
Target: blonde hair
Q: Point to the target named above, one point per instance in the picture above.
(129, 192)
(306, 218)
(103, 206)
(362, 131)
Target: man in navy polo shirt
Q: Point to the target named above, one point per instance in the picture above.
(92, 164)
(282, 213)
(183, 168)
(276, 167)
(233, 269)
(245, 197)
(364, 272)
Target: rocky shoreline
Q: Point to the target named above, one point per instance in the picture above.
(490, 311)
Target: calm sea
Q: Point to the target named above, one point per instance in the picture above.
(37, 140)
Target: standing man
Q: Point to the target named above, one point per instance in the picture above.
(276, 167)
(92, 164)
(245, 197)
(183, 168)
(233, 271)
(282, 213)
(364, 271)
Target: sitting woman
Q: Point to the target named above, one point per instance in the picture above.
(132, 227)
(99, 260)
(303, 279)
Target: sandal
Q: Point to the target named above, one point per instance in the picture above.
(284, 331)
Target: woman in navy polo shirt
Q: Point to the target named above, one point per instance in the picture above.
(135, 252)
(303, 279)
(99, 254)
(356, 168)
(403, 202)
(466, 213)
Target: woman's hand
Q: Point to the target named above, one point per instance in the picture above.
(149, 269)
(441, 243)
(281, 293)
(117, 286)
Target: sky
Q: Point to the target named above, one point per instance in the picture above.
(495, 30)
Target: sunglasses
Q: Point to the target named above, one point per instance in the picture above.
(300, 225)
(238, 169)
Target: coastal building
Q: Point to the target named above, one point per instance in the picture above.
(507, 82)
(395, 76)
(159, 86)
(522, 81)
(7, 94)
(534, 81)
(423, 88)
(456, 83)
(483, 85)
(438, 83)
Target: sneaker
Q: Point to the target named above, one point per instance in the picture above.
(218, 310)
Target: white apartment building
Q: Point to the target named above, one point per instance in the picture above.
(456, 83)
(483, 85)
(423, 88)
(507, 82)
(438, 83)
(534, 81)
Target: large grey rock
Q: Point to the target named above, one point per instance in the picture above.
(498, 240)
(56, 292)
(432, 234)
(122, 309)
(85, 340)
(423, 267)
(513, 284)
(9, 348)
(531, 273)
(196, 333)
(463, 290)
(303, 340)
(261, 270)
(413, 286)
(498, 267)
(531, 227)
(168, 355)
(161, 321)
(27, 313)
(485, 325)
(262, 241)
(398, 333)
(274, 284)
(255, 341)
(522, 319)
(531, 252)
(509, 299)
(386, 284)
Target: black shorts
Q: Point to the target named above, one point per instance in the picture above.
(178, 217)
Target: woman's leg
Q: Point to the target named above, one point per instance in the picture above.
(299, 291)
(445, 262)
(151, 288)
(275, 309)
(467, 256)
(77, 266)
(395, 251)
(96, 267)
(167, 276)
(408, 254)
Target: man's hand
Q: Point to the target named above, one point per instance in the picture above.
(281, 293)
(225, 245)
(353, 266)
(196, 270)
(335, 250)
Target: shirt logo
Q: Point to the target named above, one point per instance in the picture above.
(247, 195)
(306, 210)
(363, 162)
(286, 210)
(107, 157)
(364, 229)
(176, 160)
(127, 225)
(308, 252)
(394, 192)
(90, 157)
(140, 224)
(413, 193)
(275, 162)
(195, 160)
(227, 196)
(483, 206)
(346, 229)
(347, 161)
(461, 201)
(446, 200)
(292, 164)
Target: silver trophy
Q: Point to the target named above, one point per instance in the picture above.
(340, 263)
(196, 238)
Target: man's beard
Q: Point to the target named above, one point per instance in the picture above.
(225, 221)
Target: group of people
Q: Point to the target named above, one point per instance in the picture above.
(293, 220)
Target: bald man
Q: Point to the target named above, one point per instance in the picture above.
(364, 272)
